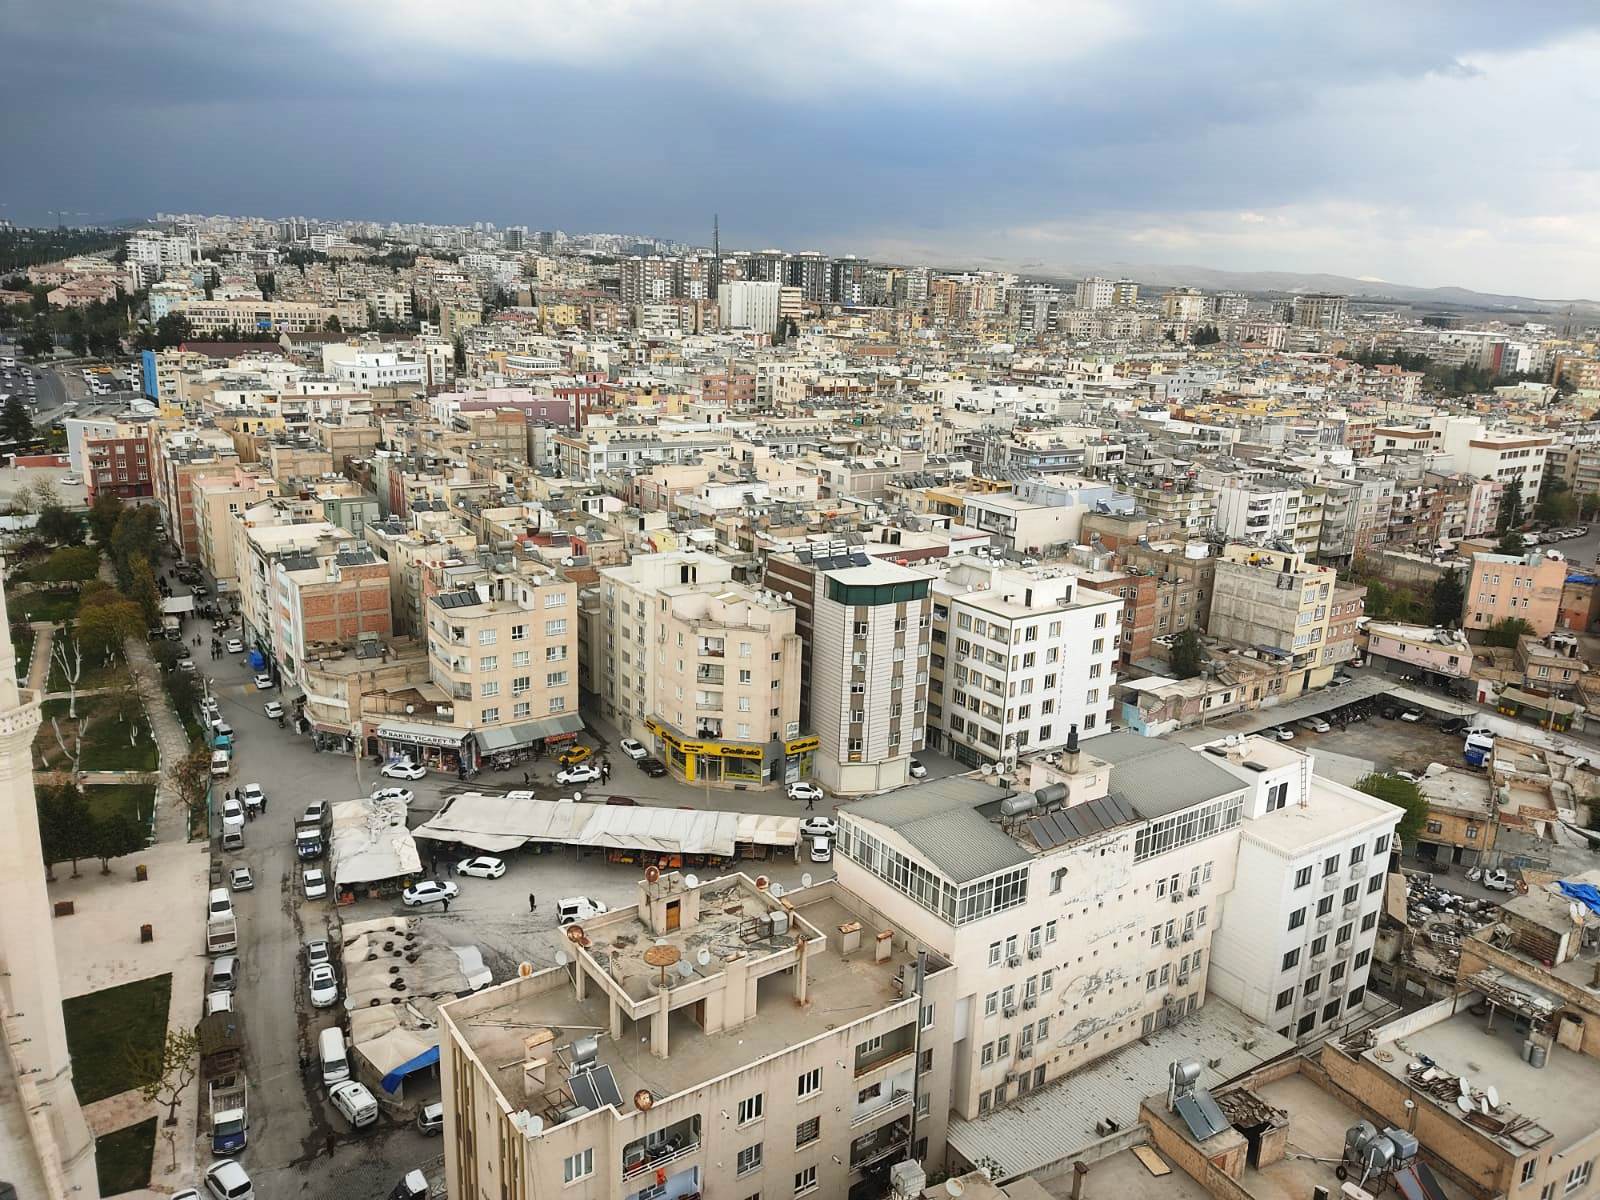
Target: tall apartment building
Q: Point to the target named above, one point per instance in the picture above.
(809, 272)
(503, 647)
(1019, 659)
(282, 316)
(1184, 304)
(119, 464)
(648, 278)
(1320, 311)
(1230, 306)
(847, 280)
(262, 534)
(790, 1052)
(178, 457)
(1094, 292)
(1505, 586)
(1294, 938)
(1077, 911)
(1124, 294)
(1494, 454)
(328, 603)
(1256, 509)
(871, 627)
(746, 305)
(1278, 601)
(217, 500)
(703, 670)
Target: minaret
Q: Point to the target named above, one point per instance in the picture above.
(30, 988)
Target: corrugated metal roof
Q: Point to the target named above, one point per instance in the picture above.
(1056, 1122)
(940, 820)
(1156, 777)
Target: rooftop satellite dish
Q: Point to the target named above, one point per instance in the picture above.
(651, 874)
(691, 881)
(954, 1187)
(1576, 912)
(1494, 1096)
(685, 970)
(561, 958)
(703, 956)
(525, 969)
(1464, 1104)
(777, 889)
(574, 933)
(805, 880)
(1483, 1105)
(643, 1100)
(761, 883)
(1466, 1085)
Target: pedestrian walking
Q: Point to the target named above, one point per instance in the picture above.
(447, 901)
(533, 905)
(524, 779)
(263, 804)
(811, 803)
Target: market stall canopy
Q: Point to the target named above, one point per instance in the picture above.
(371, 843)
(499, 823)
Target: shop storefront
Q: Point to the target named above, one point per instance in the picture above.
(438, 748)
(500, 746)
(702, 760)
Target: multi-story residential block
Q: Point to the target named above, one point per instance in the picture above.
(1349, 604)
(1502, 586)
(1319, 311)
(218, 500)
(1494, 454)
(1184, 304)
(177, 458)
(1077, 913)
(284, 316)
(1095, 292)
(1020, 659)
(1275, 600)
(328, 602)
(792, 1053)
(871, 627)
(1294, 937)
(262, 534)
(703, 670)
(1261, 510)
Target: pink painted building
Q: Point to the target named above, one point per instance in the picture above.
(1529, 587)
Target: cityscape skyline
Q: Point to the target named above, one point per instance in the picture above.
(1245, 139)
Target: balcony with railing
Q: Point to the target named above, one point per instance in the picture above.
(880, 1052)
(886, 1097)
(880, 1144)
(709, 648)
(708, 673)
(658, 1150)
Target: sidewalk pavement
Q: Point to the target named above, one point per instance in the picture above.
(172, 818)
(44, 637)
(98, 947)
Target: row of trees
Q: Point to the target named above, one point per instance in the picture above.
(70, 830)
(24, 248)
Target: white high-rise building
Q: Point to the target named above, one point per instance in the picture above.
(1094, 292)
(747, 305)
(46, 1149)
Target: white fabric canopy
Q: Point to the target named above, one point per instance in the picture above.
(370, 843)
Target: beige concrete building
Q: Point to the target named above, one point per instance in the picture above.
(703, 670)
(1276, 600)
(217, 500)
(207, 317)
(261, 535)
(785, 1049)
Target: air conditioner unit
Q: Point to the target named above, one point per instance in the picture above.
(1183, 978)
(1172, 942)
(1324, 924)
(1188, 935)
(1024, 1051)
(1330, 883)
(1177, 897)
(1194, 889)
(1337, 987)
(1316, 964)
(1029, 1002)
(1010, 1010)
(1170, 999)
(1352, 908)
(1357, 870)
(1034, 951)
(1014, 961)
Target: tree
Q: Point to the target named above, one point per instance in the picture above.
(1588, 506)
(16, 424)
(1187, 655)
(163, 1074)
(333, 325)
(68, 654)
(64, 824)
(1506, 632)
(1205, 335)
(103, 628)
(125, 705)
(60, 527)
(1513, 543)
(1403, 794)
(1556, 506)
(1449, 597)
(191, 779)
(116, 835)
(104, 514)
(76, 563)
(133, 538)
(1510, 507)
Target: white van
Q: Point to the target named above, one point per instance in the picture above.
(331, 1053)
(224, 973)
(355, 1102)
(821, 850)
(219, 904)
(577, 908)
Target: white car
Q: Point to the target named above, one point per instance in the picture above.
(315, 883)
(219, 1002)
(186, 663)
(323, 986)
(241, 880)
(578, 908)
(1283, 733)
(633, 748)
(429, 891)
(403, 770)
(235, 646)
(918, 771)
(819, 827)
(1411, 716)
(227, 1180)
(804, 790)
(70, 481)
(485, 866)
(404, 795)
(263, 682)
(317, 952)
(582, 773)
(253, 796)
(273, 709)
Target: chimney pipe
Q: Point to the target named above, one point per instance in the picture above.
(1080, 1170)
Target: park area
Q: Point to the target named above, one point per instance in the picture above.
(109, 1031)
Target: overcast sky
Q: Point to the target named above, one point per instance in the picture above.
(1422, 143)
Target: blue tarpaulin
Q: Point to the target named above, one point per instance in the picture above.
(258, 661)
(428, 1058)
(1584, 893)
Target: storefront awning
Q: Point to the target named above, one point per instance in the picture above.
(421, 735)
(514, 737)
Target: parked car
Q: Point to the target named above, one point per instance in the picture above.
(323, 986)
(241, 880)
(219, 904)
(1496, 880)
(430, 1119)
(263, 682)
(253, 796)
(653, 767)
(633, 748)
(483, 867)
(804, 789)
(819, 827)
(821, 850)
(273, 709)
(314, 882)
(429, 891)
(227, 1180)
(403, 769)
(404, 795)
(235, 646)
(354, 1102)
(1455, 725)
(574, 754)
(582, 773)
(315, 814)
(186, 664)
(577, 908)
(918, 771)
(1411, 716)
(218, 1002)
(1283, 733)
(317, 952)
(1388, 712)
(1315, 725)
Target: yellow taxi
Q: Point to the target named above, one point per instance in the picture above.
(573, 755)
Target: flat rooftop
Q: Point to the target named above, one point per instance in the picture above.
(1563, 1096)
(1333, 813)
(841, 989)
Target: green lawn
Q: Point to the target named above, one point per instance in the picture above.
(135, 799)
(103, 1026)
(122, 1159)
(49, 605)
(96, 673)
(105, 748)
